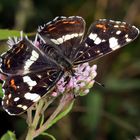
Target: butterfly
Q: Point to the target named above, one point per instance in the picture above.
(31, 72)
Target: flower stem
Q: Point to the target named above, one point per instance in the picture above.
(34, 121)
(66, 99)
(33, 125)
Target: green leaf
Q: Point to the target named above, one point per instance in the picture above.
(94, 109)
(61, 115)
(8, 136)
(5, 33)
(1, 92)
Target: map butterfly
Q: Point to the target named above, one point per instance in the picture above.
(31, 72)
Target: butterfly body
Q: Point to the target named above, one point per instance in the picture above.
(33, 71)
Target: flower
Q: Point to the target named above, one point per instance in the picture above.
(79, 84)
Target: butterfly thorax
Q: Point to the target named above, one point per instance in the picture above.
(56, 56)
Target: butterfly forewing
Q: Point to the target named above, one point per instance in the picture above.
(104, 36)
(65, 32)
(24, 58)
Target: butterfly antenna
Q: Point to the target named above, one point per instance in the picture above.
(100, 84)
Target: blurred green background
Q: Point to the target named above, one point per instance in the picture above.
(110, 113)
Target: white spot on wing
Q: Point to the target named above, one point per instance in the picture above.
(128, 39)
(113, 43)
(34, 56)
(60, 40)
(9, 96)
(39, 76)
(2, 103)
(118, 22)
(103, 40)
(65, 38)
(89, 54)
(75, 35)
(118, 32)
(24, 107)
(97, 41)
(92, 36)
(19, 105)
(32, 96)
(126, 36)
(55, 41)
(16, 99)
(30, 61)
(29, 81)
(116, 26)
(68, 37)
(98, 51)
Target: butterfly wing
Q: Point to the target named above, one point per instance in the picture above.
(31, 74)
(22, 91)
(65, 32)
(24, 58)
(104, 36)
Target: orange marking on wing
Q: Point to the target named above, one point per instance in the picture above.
(69, 22)
(101, 26)
(12, 83)
(52, 28)
(8, 63)
(22, 45)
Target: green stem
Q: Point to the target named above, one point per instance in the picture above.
(29, 116)
(32, 127)
(66, 99)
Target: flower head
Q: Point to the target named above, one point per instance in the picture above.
(80, 83)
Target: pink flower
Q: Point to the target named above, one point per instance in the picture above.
(80, 83)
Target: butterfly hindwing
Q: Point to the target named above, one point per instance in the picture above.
(21, 92)
(104, 36)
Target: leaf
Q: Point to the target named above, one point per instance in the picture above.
(8, 136)
(5, 33)
(61, 115)
(1, 92)
(94, 109)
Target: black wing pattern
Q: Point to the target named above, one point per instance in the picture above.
(21, 92)
(104, 36)
(30, 75)
(24, 58)
(66, 32)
